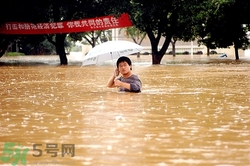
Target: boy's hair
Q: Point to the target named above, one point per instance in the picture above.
(123, 59)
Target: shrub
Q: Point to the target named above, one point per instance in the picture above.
(213, 52)
(145, 53)
(170, 52)
(199, 52)
(15, 54)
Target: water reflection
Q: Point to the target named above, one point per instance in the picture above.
(186, 115)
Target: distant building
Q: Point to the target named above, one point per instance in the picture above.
(180, 46)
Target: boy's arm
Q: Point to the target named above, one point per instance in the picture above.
(111, 81)
(125, 85)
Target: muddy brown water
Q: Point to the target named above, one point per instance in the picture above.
(190, 112)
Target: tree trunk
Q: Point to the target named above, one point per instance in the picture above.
(4, 47)
(236, 52)
(236, 47)
(156, 59)
(60, 50)
(154, 40)
(173, 48)
(138, 55)
(158, 55)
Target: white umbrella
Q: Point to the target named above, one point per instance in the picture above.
(109, 51)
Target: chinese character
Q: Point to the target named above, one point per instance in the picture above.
(53, 26)
(99, 22)
(14, 27)
(114, 21)
(33, 26)
(107, 22)
(68, 149)
(10, 154)
(60, 25)
(84, 23)
(77, 24)
(70, 24)
(21, 26)
(46, 26)
(8, 26)
(91, 23)
(51, 148)
(26, 26)
(39, 26)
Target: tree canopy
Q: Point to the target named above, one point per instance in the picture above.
(225, 25)
(48, 11)
(216, 23)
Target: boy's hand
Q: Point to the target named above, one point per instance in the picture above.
(116, 72)
(117, 83)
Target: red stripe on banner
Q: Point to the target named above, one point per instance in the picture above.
(91, 24)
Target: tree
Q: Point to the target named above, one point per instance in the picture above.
(92, 38)
(135, 34)
(57, 11)
(156, 19)
(48, 11)
(65, 10)
(233, 30)
(185, 20)
(166, 19)
(15, 10)
(217, 23)
(35, 45)
(223, 26)
(173, 41)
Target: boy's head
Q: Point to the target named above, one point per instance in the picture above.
(124, 59)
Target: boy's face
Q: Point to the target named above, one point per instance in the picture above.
(123, 67)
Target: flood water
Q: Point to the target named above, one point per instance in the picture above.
(190, 112)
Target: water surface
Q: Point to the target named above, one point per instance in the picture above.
(189, 113)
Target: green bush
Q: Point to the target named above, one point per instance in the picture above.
(14, 54)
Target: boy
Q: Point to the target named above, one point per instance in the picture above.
(128, 82)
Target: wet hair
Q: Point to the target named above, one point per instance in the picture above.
(124, 59)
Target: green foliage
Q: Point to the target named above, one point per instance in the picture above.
(134, 33)
(14, 54)
(35, 45)
(223, 25)
(216, 23)
(45, 11)
(161, 19)
(91, 38)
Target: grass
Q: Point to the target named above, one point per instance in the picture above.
(14, 54)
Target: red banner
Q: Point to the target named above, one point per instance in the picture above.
(99, 23)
